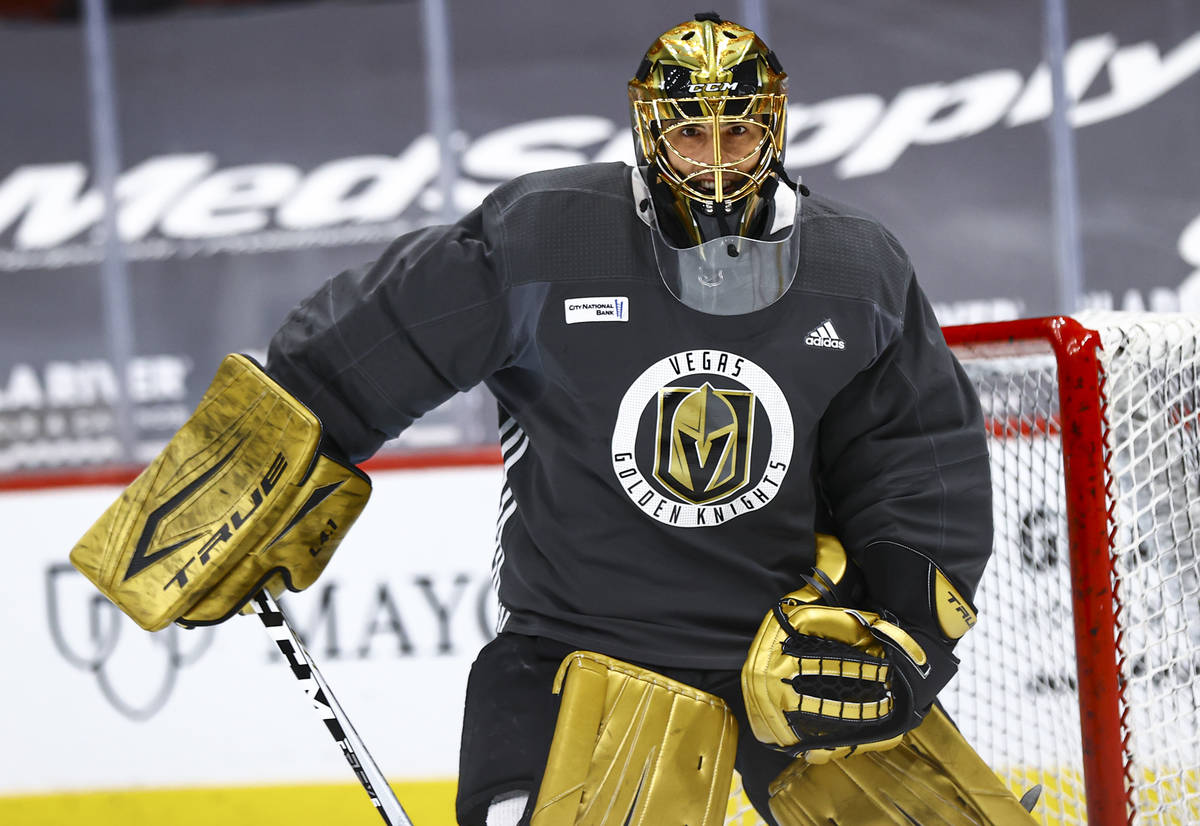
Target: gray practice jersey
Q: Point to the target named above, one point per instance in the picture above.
(664, 469)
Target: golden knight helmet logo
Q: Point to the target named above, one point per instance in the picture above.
(703, 441)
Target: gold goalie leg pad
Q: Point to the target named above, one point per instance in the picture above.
(933, 778)
(634, 747)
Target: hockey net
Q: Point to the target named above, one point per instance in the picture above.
(1090, 607)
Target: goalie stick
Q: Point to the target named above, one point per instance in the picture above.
(326, 705)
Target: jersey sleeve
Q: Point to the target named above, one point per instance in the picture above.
(903, 462)
(373, 349)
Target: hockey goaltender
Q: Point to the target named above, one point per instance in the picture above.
(746, 497)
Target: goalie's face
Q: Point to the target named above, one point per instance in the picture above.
(712, 150)
(714, 161)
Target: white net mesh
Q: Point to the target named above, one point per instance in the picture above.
(1152, 366)
(1016, 698)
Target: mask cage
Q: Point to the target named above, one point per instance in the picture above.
(657, 120)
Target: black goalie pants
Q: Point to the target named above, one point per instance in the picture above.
(509, 721)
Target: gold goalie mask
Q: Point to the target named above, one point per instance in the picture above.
(708, 105)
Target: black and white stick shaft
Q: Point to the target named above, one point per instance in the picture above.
(326, 705)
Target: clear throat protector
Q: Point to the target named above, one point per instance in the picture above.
(730, 274)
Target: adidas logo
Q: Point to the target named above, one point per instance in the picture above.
(825, 336)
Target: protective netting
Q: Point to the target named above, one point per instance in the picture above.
(1016, 698)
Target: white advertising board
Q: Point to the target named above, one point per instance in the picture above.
(394, 624)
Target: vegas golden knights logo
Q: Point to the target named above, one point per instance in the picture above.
(703, 441)
(702, 437)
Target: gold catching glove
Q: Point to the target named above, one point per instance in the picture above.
(825, 681)
(240, 499)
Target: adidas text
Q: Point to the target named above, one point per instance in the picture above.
(825, 336)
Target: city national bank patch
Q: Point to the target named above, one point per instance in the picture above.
(610, 308)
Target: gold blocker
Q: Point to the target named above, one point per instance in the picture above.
(242, 498)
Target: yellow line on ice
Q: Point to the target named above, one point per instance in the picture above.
(428, 803)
